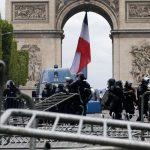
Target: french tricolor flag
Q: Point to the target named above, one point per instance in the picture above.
(82, 56)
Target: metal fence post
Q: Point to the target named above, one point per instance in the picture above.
(32, 139)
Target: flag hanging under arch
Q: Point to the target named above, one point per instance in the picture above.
(83, 55)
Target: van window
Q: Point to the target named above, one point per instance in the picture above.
(55, 75)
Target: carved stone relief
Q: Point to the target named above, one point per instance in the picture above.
(141, 62)
(138, 11)
(32, 11)
(60, 4)
(114, 4)
(35, 61)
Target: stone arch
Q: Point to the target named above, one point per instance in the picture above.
(129, 21)
(98, 7)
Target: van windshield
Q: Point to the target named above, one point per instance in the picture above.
(55, 75)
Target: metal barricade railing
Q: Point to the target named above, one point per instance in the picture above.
(22, 101)
(83, 130)
(55, 100)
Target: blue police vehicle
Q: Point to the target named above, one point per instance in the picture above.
(55, 76)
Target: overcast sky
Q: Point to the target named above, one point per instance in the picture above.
(100, 68)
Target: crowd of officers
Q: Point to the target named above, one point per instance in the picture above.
(80, 86)
(119, 97)
(126, 98)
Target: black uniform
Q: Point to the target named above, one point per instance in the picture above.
(140, 91)
(83, 88)
(129, 99)
(115, 98)
(10, 93)
(48, 90)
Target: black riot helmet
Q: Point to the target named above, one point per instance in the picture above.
(48, 86)
(111, 82)
(81, 76)
(10, 83)
(68, 80)
(128, 83)
(119, 84)
(60, 86)
(145, 80)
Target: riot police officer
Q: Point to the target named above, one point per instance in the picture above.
(119, 84)
(68, 81)
(60, 88)
(10, 93)
(129, 99)
(143, 87)
(48, 90)
(115, 98)
(82, 87)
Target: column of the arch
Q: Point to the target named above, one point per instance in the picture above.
(52, 55)
(58, 51)
(58, 37)
(116, 47)
(116, 57)
(49, 56)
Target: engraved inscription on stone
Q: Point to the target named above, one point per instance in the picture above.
(138, 11)
(140, 62)
(32, 11)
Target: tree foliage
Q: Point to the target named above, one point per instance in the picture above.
(1, 52)
(16, 61)
(18, 68)
(23, 59)
(7, 37)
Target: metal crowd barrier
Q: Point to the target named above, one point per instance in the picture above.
(83, 130)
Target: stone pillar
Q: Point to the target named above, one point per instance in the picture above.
(116, 56)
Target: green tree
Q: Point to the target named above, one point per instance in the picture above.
(13, 65)
(16, 61)
(23, 59)
(7, 38)
(18, 68)
(1, 52)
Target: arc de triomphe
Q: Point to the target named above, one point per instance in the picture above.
(38, 28)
